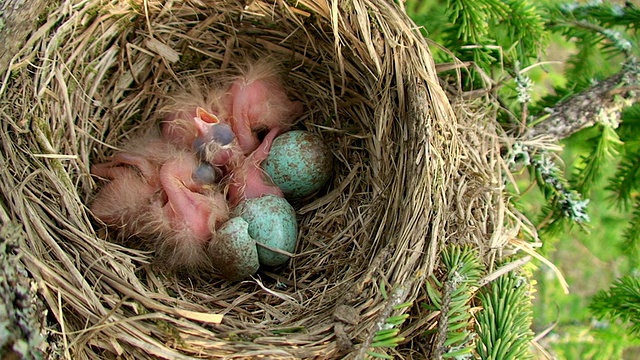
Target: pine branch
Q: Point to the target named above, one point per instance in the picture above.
(630, 126)
(608, 13)
(504, 324)
(631, 235)
(523, 30)
(603, 102)
(625, 180)
(622, 301)
(562, 199)
(601, 30)
(604, 146)
(463, 270)
(388, 336)
(469, 31)
(394, 303)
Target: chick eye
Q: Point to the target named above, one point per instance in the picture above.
(206, 174)
(222, 134)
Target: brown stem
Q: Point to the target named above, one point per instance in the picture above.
(606, 98)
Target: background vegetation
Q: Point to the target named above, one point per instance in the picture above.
(535, 55)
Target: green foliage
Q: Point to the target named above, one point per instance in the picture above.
(504, 323)
(452, 297)
(523, 30)
(625, 183)
(596, 343)
(504, 40)
(602, 31)
(603, 148)
(605, 36)
(626, 179)
(431, 15)
(631, 236)
(387, 337)
(491, 33)
(590, 260)
(629, 126)
(469, 34)
(621, 302)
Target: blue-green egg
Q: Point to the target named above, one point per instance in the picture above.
(272, 222)
(299, 163)
(233, 252)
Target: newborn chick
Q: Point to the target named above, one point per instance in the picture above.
(165, 195)
(124, 200)
(248, 180)
(194, 103)
(258, 101)
(188, 124)
(214, 141)
(194, 209)
(208, 120)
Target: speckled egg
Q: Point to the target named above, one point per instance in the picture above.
(272, 222)
(299, 162)
(233, 252)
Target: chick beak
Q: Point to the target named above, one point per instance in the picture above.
(204, 120)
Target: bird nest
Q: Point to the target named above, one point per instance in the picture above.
(411, 173)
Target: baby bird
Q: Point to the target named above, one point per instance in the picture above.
(222, 122)
(134, 184)
(197, 118)
(165, 195)
(215, 141)
(258, 101)
(193, 210)
(248, 180)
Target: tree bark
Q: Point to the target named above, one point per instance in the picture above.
(18, 18)
(604, 100)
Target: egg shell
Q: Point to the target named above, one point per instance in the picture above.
(272, 222)
(233, 252)
(299, 162)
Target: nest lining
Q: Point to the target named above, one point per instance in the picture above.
(409, 174)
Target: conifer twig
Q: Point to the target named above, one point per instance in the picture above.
(443, 323)
(605, 99)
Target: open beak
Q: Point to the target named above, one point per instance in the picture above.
(204, 120)
(210, 128)
(206, 116)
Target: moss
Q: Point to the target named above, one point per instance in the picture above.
(21, 316)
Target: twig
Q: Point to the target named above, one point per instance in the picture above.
(585, 108)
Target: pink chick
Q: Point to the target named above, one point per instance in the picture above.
(258, 101)
(193, 210)
(164, 195)
(192, 206)
(202, 131)
(248, 180)
(178, 128)
(134, 183)
(194, 104)
(215, 140)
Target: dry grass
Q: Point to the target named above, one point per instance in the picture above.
(412, 174)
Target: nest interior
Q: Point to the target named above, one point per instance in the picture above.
(410, 174)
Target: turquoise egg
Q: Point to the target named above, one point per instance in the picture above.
(233, 252)
(272, 222)
(299, 163)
